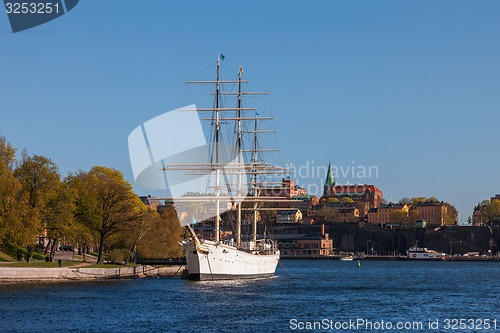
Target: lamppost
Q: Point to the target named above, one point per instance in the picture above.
(451, 248)
(367, 246)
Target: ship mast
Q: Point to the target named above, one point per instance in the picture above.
(251, 167)
(254, 158)
(217, 169)
(238, 152)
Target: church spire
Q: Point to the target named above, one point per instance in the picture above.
(330, 181)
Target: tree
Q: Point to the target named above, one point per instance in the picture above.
(40, 179)
(13, 209)
(328, 213)
(347, 200)
(105, 204)
(163, 237)
(124, 243)
(59, 217)
(494, 209)
(451, 215)
(418, 200)
(399, 216)
(404, 200)
(7, 153)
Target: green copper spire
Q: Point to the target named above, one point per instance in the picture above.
(330, 181)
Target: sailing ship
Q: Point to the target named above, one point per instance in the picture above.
(227, 176)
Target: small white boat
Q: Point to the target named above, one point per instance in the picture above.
(347, 258)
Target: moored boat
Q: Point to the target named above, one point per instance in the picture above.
(423, 253)
(238, 183)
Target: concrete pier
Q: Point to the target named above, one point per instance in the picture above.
(14, 274)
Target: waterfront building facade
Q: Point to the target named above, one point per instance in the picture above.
(304, 203)
(368, 196)
(308, 246)
(287, 189)
(434, 213)
(385, 213)
(335, 212)
(288, 216)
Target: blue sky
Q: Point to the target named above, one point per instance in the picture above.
(411, 87)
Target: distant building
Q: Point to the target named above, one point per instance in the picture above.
(382, 214)
(347, 213)
(288, 189)
(335, 212)
(304, 202)
(288, 216)
(329, 181)
(308, 246)
(496, 197)
(151, 202)
(368, 195)
(434, 213)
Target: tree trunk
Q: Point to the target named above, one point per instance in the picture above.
(53, 249)
(47, 247)
(29, 253)
(101, 250)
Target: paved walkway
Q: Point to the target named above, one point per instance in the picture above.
(66, 256)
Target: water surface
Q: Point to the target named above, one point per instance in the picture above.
(302, 291)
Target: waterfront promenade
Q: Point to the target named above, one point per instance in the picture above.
(26, 274)
(74, 268)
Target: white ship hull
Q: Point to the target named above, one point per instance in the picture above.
(425, 256)
(423, 253)
(212, 261)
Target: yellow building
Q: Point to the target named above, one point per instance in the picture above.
(384, 213)
(433, 213)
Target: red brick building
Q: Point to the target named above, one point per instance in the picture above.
(369, 195)
(288, 189)
(315, 246)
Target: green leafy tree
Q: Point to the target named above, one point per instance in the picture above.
(451, 215)
(399, 216)
(328, 213)
(59, 217)
(40, 179)
(124, 243)
(14, 209)
(7, 154)
(105, 204)
(494, 209)
(163, 237)
(418, 200)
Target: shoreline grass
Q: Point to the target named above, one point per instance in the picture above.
(41, 264)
